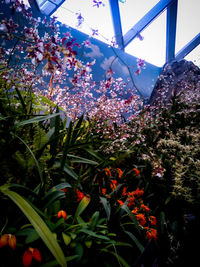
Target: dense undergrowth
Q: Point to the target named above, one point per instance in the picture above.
(79, 184)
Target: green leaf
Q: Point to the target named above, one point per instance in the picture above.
(36, 119)
(67, 170)
(62, 186)
(82, 160)
(119, 258)
(66, 146)
(79, 250)
(2, 118)
(162, 221)
(81, 206)
(132, 216)
(34, 158)
(39, 225)
(55, 263)
(138, 244)
(67, 239)
(91, 233)
(33, 236)
(52, 197)
(106, 206)
(76, 130)
(70, 172)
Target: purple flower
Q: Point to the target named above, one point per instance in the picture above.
(98, 3)
(94, 32)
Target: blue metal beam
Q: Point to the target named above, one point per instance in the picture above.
(188, 48)
(171, 31)
(146, 20)
(114, 7)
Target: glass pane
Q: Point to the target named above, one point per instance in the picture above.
(194, 56)
(47, 7)
(133, 10)
(188, 22)
(93, 18)
(152, 48)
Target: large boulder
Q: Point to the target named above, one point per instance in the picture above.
(176, 77)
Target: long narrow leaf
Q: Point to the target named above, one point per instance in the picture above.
(54, 263)
(39, 225)
(66, 146)
(37, 119)
(138, 244)
(34, 158)
(81, 206)
(76, 130)
(82, 160)
(106, 206)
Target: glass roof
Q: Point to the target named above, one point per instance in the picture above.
(88, 17)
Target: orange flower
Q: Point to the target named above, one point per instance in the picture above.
(120, 202)
(135, 210)
(113, 184)
(138, 192)
(152, 220)
(131, 202)
(62, 213)
(8, 239)
(107, 172)
(145, 208)
(120, 172)
(141, 218)
(136, 172)
(29, 254)
(151, 233)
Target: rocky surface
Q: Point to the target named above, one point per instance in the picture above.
(174, 78)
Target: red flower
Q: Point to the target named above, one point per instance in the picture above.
(64, 190)
(8, 239)
(145, 208)
(152, 220)
(141, 218)
(113, 184)
(131, 202)
(120, 172)
(103, 191)
(138, 192)
(124, 191)
(121, 203)
(107, 172)
(29, 254)
(62, 213)
(136, 171)
(135, 210)
(79, 195)
(151, 233)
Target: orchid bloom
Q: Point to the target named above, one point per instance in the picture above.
(62, 213)
(29, 254)
(8, 239)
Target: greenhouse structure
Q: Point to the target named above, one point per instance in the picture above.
(99, 133)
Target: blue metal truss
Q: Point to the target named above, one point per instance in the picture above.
(114, 6)
(123, 41)
(171, 30)
(171, 6)
(146, 20)
(188, 47)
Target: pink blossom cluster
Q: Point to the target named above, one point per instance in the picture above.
(48, 64)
